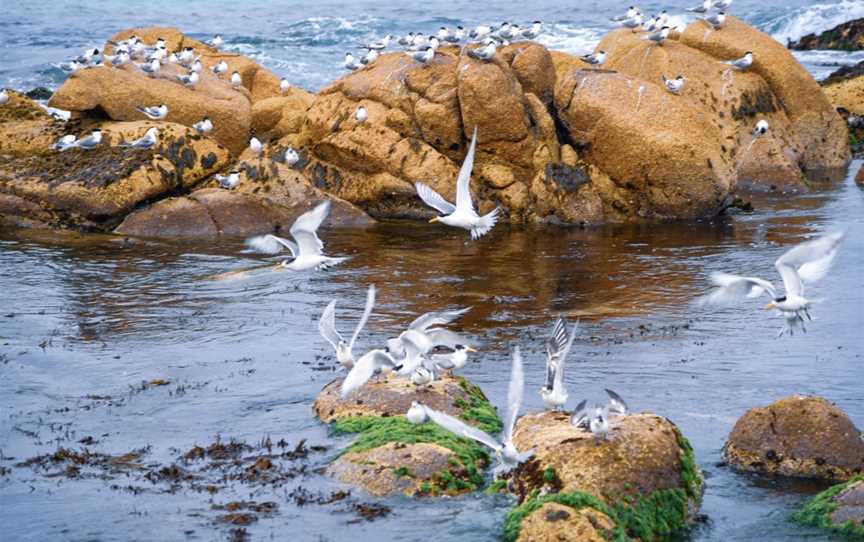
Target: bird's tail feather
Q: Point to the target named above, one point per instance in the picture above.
(486, 223)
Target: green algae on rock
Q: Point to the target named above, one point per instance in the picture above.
(839, 509)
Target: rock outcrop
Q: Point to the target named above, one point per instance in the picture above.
(848, 36)
(645, 470)
(25, 128)
(805, 437)
(390, 455)
(95, 189)
(839, 509)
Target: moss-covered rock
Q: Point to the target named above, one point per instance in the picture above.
(644, 477)
(557, 522)
(25, 128)
(797, 436)
(391, 455)
(839, 509)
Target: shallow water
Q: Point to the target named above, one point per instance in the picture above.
(86, 319)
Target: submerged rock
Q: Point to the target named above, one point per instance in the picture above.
(390, 455)
(839, 509)
(643, 477)
(848, 36)
(805, 437)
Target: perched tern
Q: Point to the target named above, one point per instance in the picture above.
(632, 11)
(229, 181)
(423, 57)
(505, 451)
(486, 52)
(370, 57)
(722, 4)
(307, 248)
(284, 85)
(350, 63)
(675, 86)
(4, 96)
(255, 145)
(717, 20)
(236, 80)
(595, 59)
(421, 376)
(154, 113)
(220, 67)
(703, 8)
(534, 31)
(327, 323)
(90, 142)
(150, 68)
(761, 128)
(203, 126)
(462, 215)
(189, 80)
(742, 63)
(146, 142)
(65, 142)
(804, 263)
(217, 42)
(660, 36)
(416, 414)
(291, 156)
(454, 360)
(360, 115)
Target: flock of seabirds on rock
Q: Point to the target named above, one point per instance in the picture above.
(415, 353)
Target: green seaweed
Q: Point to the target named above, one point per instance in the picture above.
(690, 476)
(549, 475)
(817, 512)
(403, 472)
(498, 486)
(478, 409)
(465, 472)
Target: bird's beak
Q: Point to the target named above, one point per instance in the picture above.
(469, 349)
(770, 306)
(436, 219)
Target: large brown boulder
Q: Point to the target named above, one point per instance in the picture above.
(280, 116)
(815, 124)
(797, 436)
(95, 189)
(847, 93)
(211, 212)
(643, 470)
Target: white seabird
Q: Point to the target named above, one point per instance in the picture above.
(365, 368)
(307, 248)
(742, 63)
(486, 52)
(453, 360)
(190, 79)
(805, 263)
(327, 323)
(217, 42)
(236, 80)
(717, 20)
(65, 142)
(229, 181)
(154, 113)
(595, 59)
(220, 67)
(703, 8)
(146, 142)
(350, 63)
(150, 68)
(761, 128)
(203, 126)
(660, 36)
(431, 335)
(416, 414)
(553, 392)
(284, 85)
(291, 156)
(632, 11)
(534, 31)
(462, 215)
(4, 96)
(423, 57)
(505, 451)
(675, 86)
(90, 142)
(255, 145)
(360, 115)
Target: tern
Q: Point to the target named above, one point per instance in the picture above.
(360, 115)
(595, 59)
(761, 128)
(370, 57)
(4, 96)
(291, 156)
(65, 142)
(307, 247)
(416, 414)
(462, 215)
(633, 23)
(229, 181)
(480, 32)
(742, 63)
(146, 142)
(217, 42)
(90, 142)
(369, 363)
(423, 57)
(196, 66)
(454, 360)
(596, 419)
(660, 36)
(425, 333)
(553, 392)
(406, 40)
(507, 454)
(236, 80)
(203, 126)
(717, 20)
(154, 113)
(187, 55)
(350, 63)
(485, 52)
(703, 8)
(220, 67)
(119, 59)
(378, 45)
(189, 80)
(327, 323)
(151, 68)
(675, 86)
(421, 376)
(255, 145)
(805, 263)
(632, 11)
(284, 85)
(534, 31)
(71, 66)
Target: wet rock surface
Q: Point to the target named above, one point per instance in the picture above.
(848, 36)
(554, 522)
(839, 509)
(644, 471)
(805, 437)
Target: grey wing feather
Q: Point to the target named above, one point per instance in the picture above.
(444, 337)
(434, 199)
(558, 340)
(463, 182)
(364, 369)
(732, 288)
(327, 325)
(458, 427)
(440, 318)
(269, 244)
(616, 403)
(367, 310)
(305, 227)
(562, 356)
(514, 395)
(808, 261)
(579, 418)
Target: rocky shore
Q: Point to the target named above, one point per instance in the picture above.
(560, 141)
(848, 36)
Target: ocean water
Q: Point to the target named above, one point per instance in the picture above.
(306, 41)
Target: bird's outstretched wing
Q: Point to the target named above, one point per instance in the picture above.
(463, 182)
(616, 403)
(514, 395)
(557, 340)
(367, 310)
(270, 244)
(808, 262)
(439, 318)
(364, 369)
(327, 325)
(561, 358)
(304, 230)
(434, 199)
(579, 418)
(445, 337)
(732, 288)
(462, 429)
